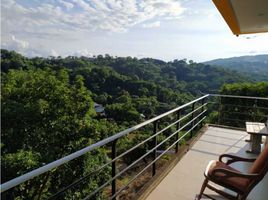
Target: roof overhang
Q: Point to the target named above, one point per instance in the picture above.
(244, 16)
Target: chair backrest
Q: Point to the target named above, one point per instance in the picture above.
(260, 166)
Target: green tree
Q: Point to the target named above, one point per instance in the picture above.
(43, 119)
(236, 111)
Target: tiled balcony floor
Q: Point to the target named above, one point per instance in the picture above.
(186, 178)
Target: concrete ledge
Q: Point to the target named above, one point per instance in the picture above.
(228, 127)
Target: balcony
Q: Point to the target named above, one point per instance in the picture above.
(212, 143)
(170, 162)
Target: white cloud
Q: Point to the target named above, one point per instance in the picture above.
(25, 48)
(84, 5)
(13, 43)
(83, 52)
(66, 4)
(20, 44)
(151, 25)
(54, 53)
(112, 15)
(53, 27)
(43, 21)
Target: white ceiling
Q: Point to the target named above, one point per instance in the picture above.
(252, 15)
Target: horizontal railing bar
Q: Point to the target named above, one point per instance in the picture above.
(232, 119)
(236, 96)
(143, 156)
(235, 105)
(69, 186)
(182, 118)
(249, 114)
(16, 181)
(151, 137)
(251, 107)
(157, 158)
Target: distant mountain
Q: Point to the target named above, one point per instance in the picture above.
(254, 66)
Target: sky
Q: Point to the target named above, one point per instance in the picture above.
(161, 29)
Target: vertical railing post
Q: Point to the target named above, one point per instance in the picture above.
(178, 125)
(202, 110)
(114, 168)
(219, 113)
(193, 105)
(155, 144)
(255, 111)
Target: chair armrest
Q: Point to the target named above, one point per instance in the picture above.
(233, 158)
(229, 173)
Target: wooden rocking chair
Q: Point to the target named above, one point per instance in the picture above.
(241, 183)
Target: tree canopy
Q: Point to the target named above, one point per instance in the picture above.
(47, 107)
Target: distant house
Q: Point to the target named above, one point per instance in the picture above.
(100, 110)
(142, 115)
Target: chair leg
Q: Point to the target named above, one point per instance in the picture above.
(203, 188)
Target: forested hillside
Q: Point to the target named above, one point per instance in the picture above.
(129, 86)
(178, 75)
(255, 67)
(47, 107)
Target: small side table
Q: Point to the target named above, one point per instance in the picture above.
(256, 131)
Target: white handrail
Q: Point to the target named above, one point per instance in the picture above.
(240, 97)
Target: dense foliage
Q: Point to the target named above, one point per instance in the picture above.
(47, 107)
(236, 111)
(44, 117)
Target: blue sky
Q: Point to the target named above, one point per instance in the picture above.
(163, 29)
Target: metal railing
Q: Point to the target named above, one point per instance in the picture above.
(188, 118)
(234, 111)
(197, 115)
